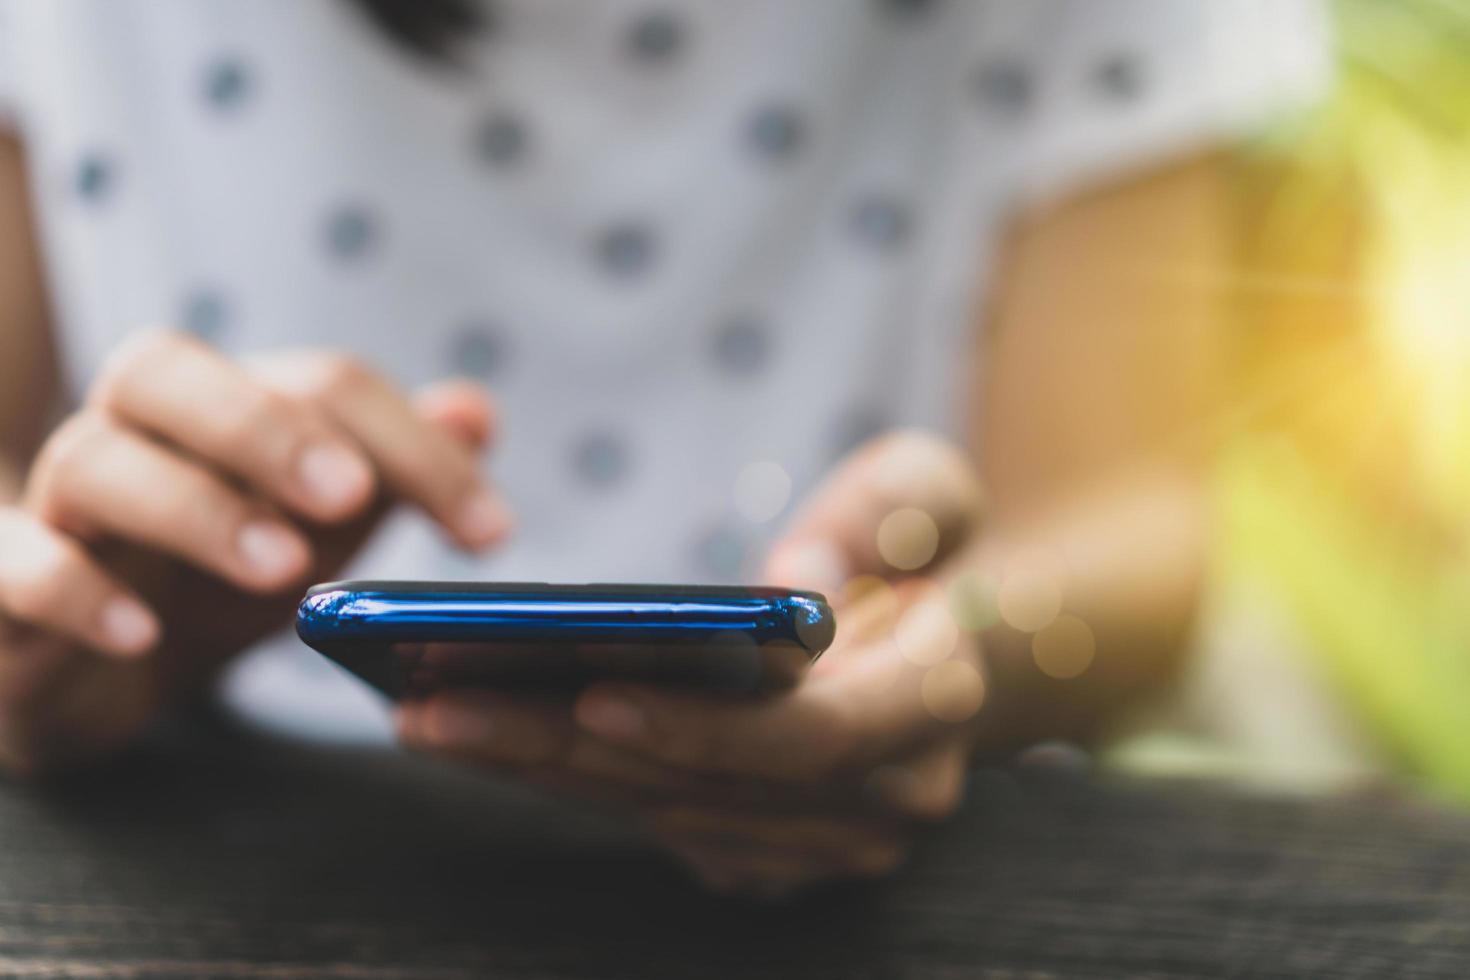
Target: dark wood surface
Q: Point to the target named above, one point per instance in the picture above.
(215, 856)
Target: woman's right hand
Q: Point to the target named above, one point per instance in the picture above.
(175, 518)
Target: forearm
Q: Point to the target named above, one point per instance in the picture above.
(29, 378)
(1121, 567)
(10, 481)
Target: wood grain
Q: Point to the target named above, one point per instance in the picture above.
(210, 855)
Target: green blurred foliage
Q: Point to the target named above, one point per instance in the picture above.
(1344, 483)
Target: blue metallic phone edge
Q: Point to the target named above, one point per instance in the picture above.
(394, 612)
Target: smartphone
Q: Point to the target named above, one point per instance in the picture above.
(409, 639)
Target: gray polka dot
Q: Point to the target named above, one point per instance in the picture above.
(227, 83)
(94, 177)
(722, 553)
(480, 349)
(857, 427)
(907, 9)
(656, 37)
(1119, 77)
(351, 232)
(501, 139)
(775, 132)
(205, 313)
(881, 221)
(600, 459)
(742, 344)
(625, 250)
(1004, 87)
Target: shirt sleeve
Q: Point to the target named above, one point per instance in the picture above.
(1128, 84)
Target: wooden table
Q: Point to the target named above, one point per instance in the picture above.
(216, 856)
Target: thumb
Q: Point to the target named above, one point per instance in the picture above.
(894, 506)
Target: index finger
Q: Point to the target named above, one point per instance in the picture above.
(179, 390)
(419, 461)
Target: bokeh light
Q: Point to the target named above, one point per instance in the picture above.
(1030, 594)
(972, 602)
(1064, 648)
(908, 539)
(952, 690)
(926, 633)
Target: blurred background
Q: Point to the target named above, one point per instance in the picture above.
(1334, 649)
(1337, 644)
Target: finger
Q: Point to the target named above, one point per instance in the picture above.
(182, 391)
(895, 505)
(525, 732)
(419, 461)
(881, 705)
(926, 789)
(460, 408)
(878, 708)
(48, 581)
(97, 479)
(536, 740)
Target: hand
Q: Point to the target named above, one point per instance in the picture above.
(174, 519)
(832, 778)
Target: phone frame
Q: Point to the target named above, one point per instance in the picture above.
(724, 637)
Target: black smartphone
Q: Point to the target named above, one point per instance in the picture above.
(408, 639)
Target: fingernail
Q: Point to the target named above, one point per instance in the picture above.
(128, 625)
(483, 519)
(334, 475)
(816, 565)
(271, 550)
(611, 717)
(446, 723)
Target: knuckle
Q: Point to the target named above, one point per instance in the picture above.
(260, 414)
(49, 586)
(339, 375)
(134, 358)
(63, 460)
(202, 506)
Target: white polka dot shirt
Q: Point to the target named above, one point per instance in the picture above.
(697, 248)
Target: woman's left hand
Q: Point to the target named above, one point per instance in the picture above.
(832, 778)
